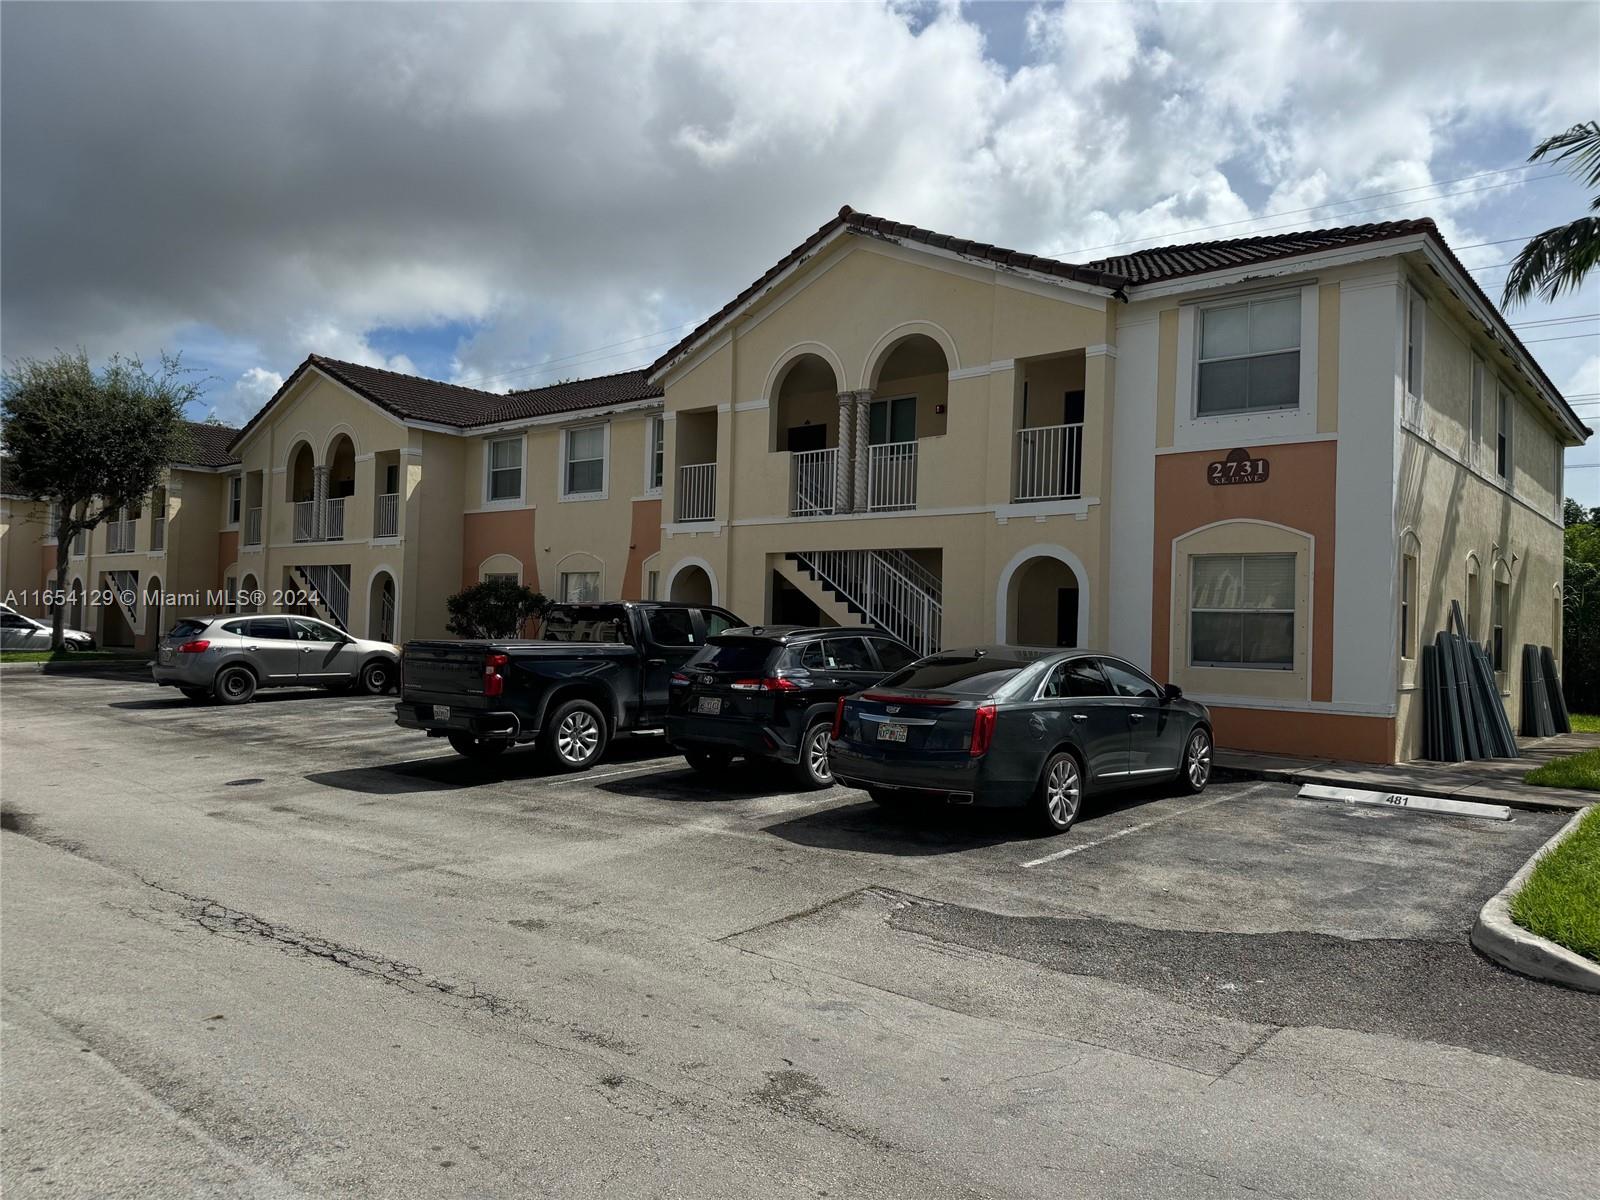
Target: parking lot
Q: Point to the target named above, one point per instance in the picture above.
(290, 949)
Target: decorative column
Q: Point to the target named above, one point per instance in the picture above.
(863, 437)
(319, 506)
(844, 458)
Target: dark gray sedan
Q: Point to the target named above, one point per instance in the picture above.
(1009, 726)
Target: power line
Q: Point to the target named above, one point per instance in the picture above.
(1328, 204)
(1555, 321)
(1567, 338)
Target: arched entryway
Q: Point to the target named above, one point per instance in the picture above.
(76, 600)
(382, 609)
(341, 460)
(246, 601)
(692, 583)
(1043, 599)
(301, 481)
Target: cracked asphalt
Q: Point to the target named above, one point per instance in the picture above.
(291, 950)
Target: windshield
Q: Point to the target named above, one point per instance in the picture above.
(974, 675)
(740, 656)
(598, 623)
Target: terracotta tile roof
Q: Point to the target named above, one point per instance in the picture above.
(1160, 263)
(601, 392)
(208, 444)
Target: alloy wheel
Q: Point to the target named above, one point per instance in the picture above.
(1197, 762)
(1063, 791)
(817, 754)
(577, 737)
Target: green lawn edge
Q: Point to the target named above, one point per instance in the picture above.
(1579, 772)
(1561, 898)
(31, 656)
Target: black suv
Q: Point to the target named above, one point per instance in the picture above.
(770, 692)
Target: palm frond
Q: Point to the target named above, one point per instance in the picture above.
(1554, 262)
(1581, 143)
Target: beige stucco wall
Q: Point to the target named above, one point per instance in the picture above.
(23, 551)
(1451, 501)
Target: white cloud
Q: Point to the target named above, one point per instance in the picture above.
(291, 178)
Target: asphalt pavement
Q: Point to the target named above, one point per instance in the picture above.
(291, 950)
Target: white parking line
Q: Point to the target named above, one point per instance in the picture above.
(1111, 837)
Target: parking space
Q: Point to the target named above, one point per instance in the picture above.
(789, 967)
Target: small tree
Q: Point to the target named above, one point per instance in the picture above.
(493, 608)
(90, 442)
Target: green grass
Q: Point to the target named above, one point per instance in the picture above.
(69, 655)
(1585, 723)
(1561, 899)
(1581, 771)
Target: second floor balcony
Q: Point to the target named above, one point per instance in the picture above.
(1048, 463)
(697, 492)
(121, 536)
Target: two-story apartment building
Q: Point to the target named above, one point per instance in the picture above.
(147, 565)
(1262, 468)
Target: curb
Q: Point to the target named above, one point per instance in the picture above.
(89, 666)
(1304, 778)
(1497, 937)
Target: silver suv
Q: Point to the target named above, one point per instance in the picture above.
(228, 657)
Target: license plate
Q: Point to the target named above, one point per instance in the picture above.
(709, 705)
(889, 731)
(441, 712)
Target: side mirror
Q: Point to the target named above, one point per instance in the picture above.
(1171, 692)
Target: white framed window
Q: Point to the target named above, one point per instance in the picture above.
(1505, 409)
(1249, 358)
(583, 461)
(1416, 327)
(1241, 611)
(652, 585)
(1408, 606)
(578, 587)
(502, 576)
(1499, 614)
(655, 453)
(235, 498)
(1475, 412)
(52, 521)
(502, 482)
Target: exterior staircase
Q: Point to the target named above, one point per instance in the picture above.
(885, 588)
(124, 588)
(329, 589)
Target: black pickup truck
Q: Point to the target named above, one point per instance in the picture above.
(595, 671)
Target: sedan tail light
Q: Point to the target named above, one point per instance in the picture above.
(982, 730)
(196, 647)
(679, 679)
(770, 684)
(494, 683)
(838, 719)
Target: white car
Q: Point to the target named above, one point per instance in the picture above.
(18, 632)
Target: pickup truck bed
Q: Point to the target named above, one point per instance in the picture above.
(603, 670)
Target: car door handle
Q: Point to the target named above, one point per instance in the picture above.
(252, 648)
(1080, 716)
(1135, 717)
(655, 662)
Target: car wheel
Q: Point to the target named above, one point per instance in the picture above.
(575, 736)
(709, 762)
(813, 771)
(377, 677)
(468, 746)
(235, 685)
(1060, 793)
(197, 694)
(1194, 772)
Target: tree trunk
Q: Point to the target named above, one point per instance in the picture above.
(58, 610)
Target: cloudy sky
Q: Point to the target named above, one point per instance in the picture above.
(507, 195)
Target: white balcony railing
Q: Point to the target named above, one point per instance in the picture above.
(158, 533)
(891, 476)
(119, 537)
(1049, 463)
(813, 474)
(305, 520)
(333, 519)
(252, 527)
(386, 517)
(697, 492)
